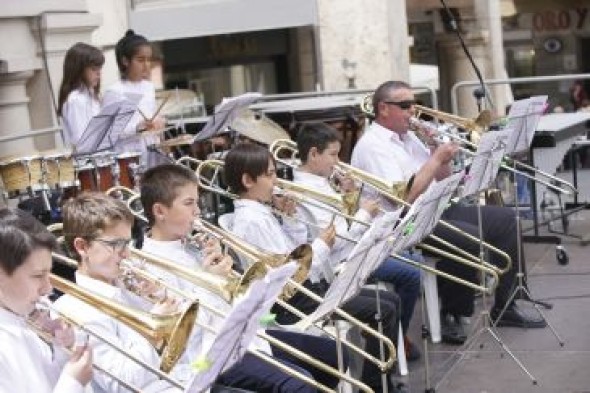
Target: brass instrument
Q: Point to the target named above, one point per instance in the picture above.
(187, 274)
(48, 338)
(475, 127)
(392, 192)
(167, 333)
(475, 133)
(300, 254)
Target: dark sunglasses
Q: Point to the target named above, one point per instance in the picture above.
(407, 104)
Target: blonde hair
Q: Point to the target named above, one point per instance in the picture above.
(89, 214)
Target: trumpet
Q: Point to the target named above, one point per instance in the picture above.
(254, 255)
(168, 266)
(392, 192)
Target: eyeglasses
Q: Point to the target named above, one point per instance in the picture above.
(117, 245)
(406, 104)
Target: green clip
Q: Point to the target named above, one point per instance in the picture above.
(409, 228)
(201, 364)
(267, 319)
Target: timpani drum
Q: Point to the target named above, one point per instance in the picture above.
(61, 172)
(95, 172)
(22, 175)
(128, 166)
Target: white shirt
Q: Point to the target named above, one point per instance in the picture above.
(189, 256)
(80, 106)
(119, 334)
(27, 363)
(383, 153)
(130, 140)
(255, 223)
(322, 217)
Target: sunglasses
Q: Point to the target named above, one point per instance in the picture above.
(406, 104)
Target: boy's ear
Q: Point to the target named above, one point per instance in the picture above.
(247, 181)
(159, 212)
(81, 247)
(313, 152)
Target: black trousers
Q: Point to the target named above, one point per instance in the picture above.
(363, 307)
(499, 229)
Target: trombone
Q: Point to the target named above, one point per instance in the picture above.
(475, 127)
(259, 260)
(391, 191)
(169, 267)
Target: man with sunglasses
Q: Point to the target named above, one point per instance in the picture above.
(391, 151)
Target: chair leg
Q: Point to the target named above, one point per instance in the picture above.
(432, 307)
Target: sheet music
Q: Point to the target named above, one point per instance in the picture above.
(368, 253)
(486, 162)
(424, 214)
(240, 326)
(523, 119)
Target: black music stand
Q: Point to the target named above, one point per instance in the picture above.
(482, 173)
(520, 141)
(105, 129)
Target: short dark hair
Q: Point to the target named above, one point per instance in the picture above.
(245, 159)
(318, 135)
(127, 47)
(159, 185)
(384, 90)
(20, 235)
(89, 214)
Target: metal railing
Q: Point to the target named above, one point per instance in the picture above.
(511, 81)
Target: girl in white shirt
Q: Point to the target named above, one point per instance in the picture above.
(98, 229)
(79, 91)
(134, 59)
(28, 364)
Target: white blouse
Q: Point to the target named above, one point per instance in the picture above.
(256, 224)
(323, 217)
(117, 333)
(80, 106)
(27, 363)
(130, 140)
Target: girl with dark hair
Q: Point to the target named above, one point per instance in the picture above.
(28, 364)
(79, 91)
(134, 59)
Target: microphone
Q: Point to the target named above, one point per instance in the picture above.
(482, 91)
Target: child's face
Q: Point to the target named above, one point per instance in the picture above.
(176, 221)
(101, 257)
(325, 161)
(261, 189)
(20, 291)
(92, 76)
(139, 67)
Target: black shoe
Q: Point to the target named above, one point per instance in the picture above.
(452, 331)
(515, 316)
(412, 351)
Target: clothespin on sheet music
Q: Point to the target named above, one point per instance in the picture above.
(201, 364)
(267, 319)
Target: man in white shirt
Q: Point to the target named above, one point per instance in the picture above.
(389, 150)
(318, 146)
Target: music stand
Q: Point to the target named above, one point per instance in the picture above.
(483, 171)
(526, 118)
(240, 327)
(105, 129)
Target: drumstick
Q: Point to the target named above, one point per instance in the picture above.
(143, 115)
(161, 106)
